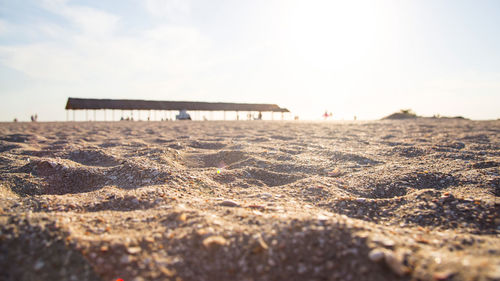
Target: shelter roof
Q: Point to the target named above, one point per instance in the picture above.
(78, 103)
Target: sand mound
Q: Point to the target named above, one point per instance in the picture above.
(93, 158)
(219, 159)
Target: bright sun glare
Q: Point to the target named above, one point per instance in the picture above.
(336, 34)
(340, 46)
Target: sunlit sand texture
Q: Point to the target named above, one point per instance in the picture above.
(250, 200)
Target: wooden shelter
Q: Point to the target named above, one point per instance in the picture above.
(149, 105)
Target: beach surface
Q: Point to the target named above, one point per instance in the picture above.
(250, 200)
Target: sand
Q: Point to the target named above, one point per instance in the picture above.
(250, 200)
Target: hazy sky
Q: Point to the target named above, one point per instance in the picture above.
(365, 58)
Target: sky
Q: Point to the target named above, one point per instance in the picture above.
(352, 58)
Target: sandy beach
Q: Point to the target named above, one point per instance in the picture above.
(250, 200)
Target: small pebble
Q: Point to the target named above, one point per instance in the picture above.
(266, 195)
(211, 241)
(322, 218)
(388, 243)
(133, 250)
(182, 217)
(229, 203)
(443, 275)
(376, 255)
